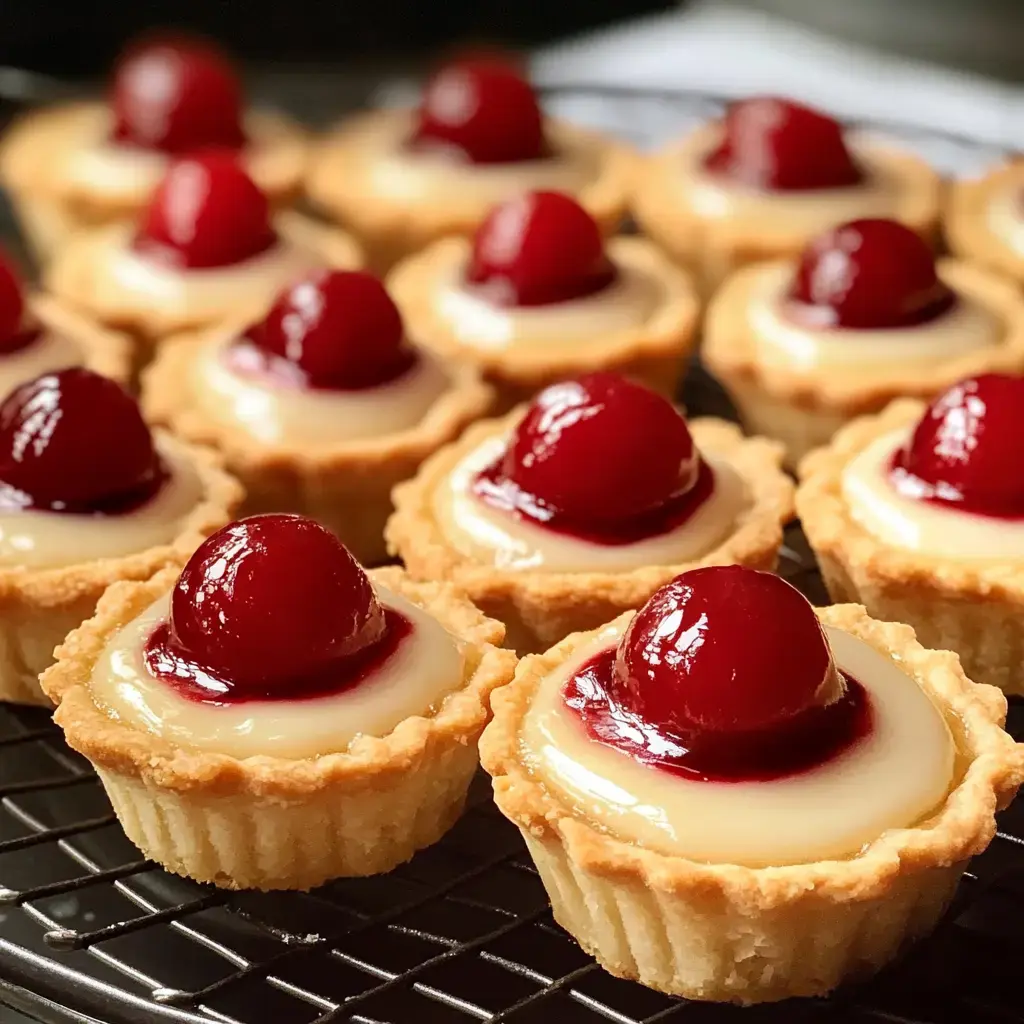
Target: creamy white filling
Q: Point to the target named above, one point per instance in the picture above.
(627, 303)
(276, 413)
(893, 778)
(39, 539)
(1006, 216)
(925, 527)
(49, 351)
(493, 537)
(968, 326)
(425, 668)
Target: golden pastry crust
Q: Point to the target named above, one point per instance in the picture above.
(655, 352)
(389, 230)
(972, 607)
(434, 754)
(103, 351)
(968, 230)
(739, 934)
(715, 247)
(539, 608)
(80, 274)
(804, 408)
(39, 606)
(37, 166)
(346, 486)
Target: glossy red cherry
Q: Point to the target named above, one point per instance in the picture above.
(539, 248)
(12, 305)
(774, 144)
(177, 96)
(484, 110)
(271, 598)
(74, 440)
(341, 328)
(870, 273)
(207, 212)
(724, 649)
(601, 448)
(966, 449)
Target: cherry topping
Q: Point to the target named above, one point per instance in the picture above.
(207, 212)
(269, 599)
(781, 146)
(601, 448)
(75, 441)
(484, 111)
(870, 273)
(539, 248)
(340, 329)
(176, 97)
(12, 305)
(966, 449)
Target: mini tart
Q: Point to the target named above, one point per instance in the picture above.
(39, 607)
(975, 608)
(345, 486)
(804, 409)
(51, 163)
(654, 352)
(975, 211)
(732, 933)
(272, 822)
(81, 275)
(540, 608)
(344, 182)
(715, 246)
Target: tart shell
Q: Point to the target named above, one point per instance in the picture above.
(346, 486)
(540, 608)
(973, 608)
(655, 352)
(276, 823)
(389, 230)
(804, 409)
(746, 935)
(39, 607)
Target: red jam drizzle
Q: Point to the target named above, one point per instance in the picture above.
(178, 668)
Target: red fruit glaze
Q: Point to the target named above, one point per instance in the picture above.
(539, 248)
(12, 310)
(721, 675)
(484, 111)
(965, 452)
(870, 273)
(339, 329)
(177, 97)
(780, 146)
(597, 450)
(207, 212)
(74, 441)
(264, 605)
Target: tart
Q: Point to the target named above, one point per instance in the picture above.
(206, 249)
(769, 177)
(566, 512)
(866, 315)
(84, 164)
(677, 774)
(918, 513)
(274, 717)
(401, 179)
(39, 333)
(985, 220)
(319, 408)
(88, 497)
(537, 296)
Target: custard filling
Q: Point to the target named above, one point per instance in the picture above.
(426, 667)
(894, 777)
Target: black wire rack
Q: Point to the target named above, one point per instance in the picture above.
(90, 931)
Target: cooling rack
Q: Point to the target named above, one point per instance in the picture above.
(91, 932)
